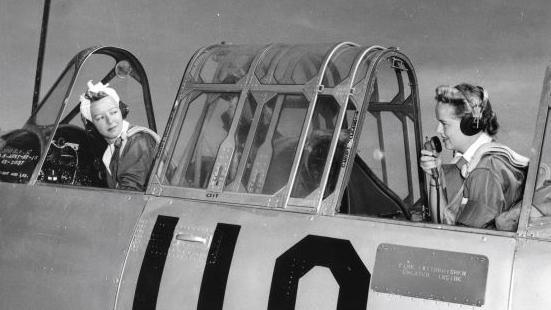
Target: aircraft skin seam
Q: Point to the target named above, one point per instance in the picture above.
(121, 273)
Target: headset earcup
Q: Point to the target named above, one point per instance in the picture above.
(124, 109)
(468, 126)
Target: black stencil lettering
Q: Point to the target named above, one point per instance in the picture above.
(149, 280)
(217, 267)
(336, 254)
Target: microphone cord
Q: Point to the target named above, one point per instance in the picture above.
(437, 187)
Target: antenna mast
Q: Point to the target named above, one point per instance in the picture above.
(41, 49)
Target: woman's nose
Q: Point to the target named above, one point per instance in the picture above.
(109, 119)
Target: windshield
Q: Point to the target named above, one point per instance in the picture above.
(50, 107)
(55, 138)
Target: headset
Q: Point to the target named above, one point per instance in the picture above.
(471, 122)
(91, 129)
(124, 109)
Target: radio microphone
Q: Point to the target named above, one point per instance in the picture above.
(433, 145)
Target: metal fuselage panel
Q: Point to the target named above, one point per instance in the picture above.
(190, 237)
(63, 248)
(532, 275)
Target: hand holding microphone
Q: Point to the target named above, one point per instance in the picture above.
(430, 156)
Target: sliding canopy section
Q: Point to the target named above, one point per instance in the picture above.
(277, 126)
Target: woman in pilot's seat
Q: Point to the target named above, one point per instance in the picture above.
(130, 149)
(491, 175)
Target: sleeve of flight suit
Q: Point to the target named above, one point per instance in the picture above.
(136, 162)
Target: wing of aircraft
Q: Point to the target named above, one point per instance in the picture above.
(287, 178)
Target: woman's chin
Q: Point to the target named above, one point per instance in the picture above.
(111, 135)
(114, 133)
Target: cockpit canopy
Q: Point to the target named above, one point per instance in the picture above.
(279, 126)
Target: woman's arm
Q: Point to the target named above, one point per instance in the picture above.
(485, 199)
(437, 194)
(135, 164)
(438, 199)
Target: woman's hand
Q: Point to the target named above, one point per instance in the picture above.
(429, 161)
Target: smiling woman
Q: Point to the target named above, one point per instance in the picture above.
(492, 174)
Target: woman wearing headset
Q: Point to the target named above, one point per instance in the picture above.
(130, 149)
(491, 175)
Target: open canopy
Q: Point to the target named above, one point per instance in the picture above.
(53, 146)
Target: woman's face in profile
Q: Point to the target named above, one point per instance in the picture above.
(449, 128)
(107, 117)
